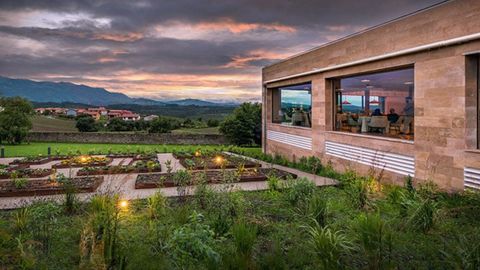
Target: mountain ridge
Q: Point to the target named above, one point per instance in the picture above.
(66, 92)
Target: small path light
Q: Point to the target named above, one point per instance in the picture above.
(123, 204)
(2, 152)
(49, 151)
(219, 160)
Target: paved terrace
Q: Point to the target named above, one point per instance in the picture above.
(124, 184)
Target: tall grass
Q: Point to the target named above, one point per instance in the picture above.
(329, 246)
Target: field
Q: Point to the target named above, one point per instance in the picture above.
(34, 149)
(50, 124)
(54, 124)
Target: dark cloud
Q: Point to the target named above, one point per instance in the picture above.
(228, 39)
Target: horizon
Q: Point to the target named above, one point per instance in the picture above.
(171, 51)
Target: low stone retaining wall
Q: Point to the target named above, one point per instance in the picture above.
(126, 138)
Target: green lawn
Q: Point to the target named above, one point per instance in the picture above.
(33, 149)
(49, 123)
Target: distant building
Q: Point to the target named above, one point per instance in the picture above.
(50, 110)
(130, 117)
(100, 110)
(150, 117)
(71, 112)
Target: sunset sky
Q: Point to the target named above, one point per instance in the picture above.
(211, 50)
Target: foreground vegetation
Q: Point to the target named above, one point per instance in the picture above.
(293, 225)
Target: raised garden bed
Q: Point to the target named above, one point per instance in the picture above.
(213, 176)
(134, 156)
(213, 161)
(47, 187)
(39, 160)
(139, 167)
(83, 161)
(25, 173)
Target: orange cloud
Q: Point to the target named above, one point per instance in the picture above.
(239, 27)
(242, 61)
(127, 37)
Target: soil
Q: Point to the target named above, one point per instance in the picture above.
(46, 187)
(117, 170)
(76, 165)
(213, 176)
(208, 162)
(33, 173)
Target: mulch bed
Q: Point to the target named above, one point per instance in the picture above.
(38, 161)
(214, 176)
(29, 173)
(116, 170)
(134, 157)
(46, 187)
(208, 162)
(76, 165)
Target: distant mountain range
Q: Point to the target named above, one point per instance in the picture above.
(65, 92)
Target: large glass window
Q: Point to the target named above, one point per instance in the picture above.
(376, 104)
(292, 105)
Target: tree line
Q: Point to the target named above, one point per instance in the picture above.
(241, 127)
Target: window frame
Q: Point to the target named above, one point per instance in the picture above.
(335, 83)
(278, 90)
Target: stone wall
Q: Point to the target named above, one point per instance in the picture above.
(126, 138)
(445, 98)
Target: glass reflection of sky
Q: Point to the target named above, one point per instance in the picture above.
(298, 97)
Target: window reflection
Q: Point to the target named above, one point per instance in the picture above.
(292, 105)
(378, 104)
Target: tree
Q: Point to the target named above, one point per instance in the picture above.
(244, 125)
(118, 124)
(86, 124)
(162, 125)
(15, 119)
(213, 123)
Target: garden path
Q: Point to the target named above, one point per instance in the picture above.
(124, 184)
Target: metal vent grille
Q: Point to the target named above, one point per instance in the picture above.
(294, 140)
(471, 178)
(404, 165)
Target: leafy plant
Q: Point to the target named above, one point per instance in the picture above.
(317, 209)
(20, 182)
(421, 213)
(156, 205)
(22, 218)
(328, 246)
(192, 243)
(463, 251)
(374, 238)
(299, 190)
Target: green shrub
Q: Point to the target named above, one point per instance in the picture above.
(421, 213)
(192, 244)
(299, 190)
(463, 251)
(329, 246)
(156, 205)
(244, 236)
(317, 209)
(374, 239)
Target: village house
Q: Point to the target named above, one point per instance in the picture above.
(401, 97)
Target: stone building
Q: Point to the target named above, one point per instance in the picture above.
(401, 97)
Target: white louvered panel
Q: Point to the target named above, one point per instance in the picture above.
(396, 163)
(471, 178)
(294, 140)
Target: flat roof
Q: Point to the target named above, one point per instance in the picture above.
(361, 32)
